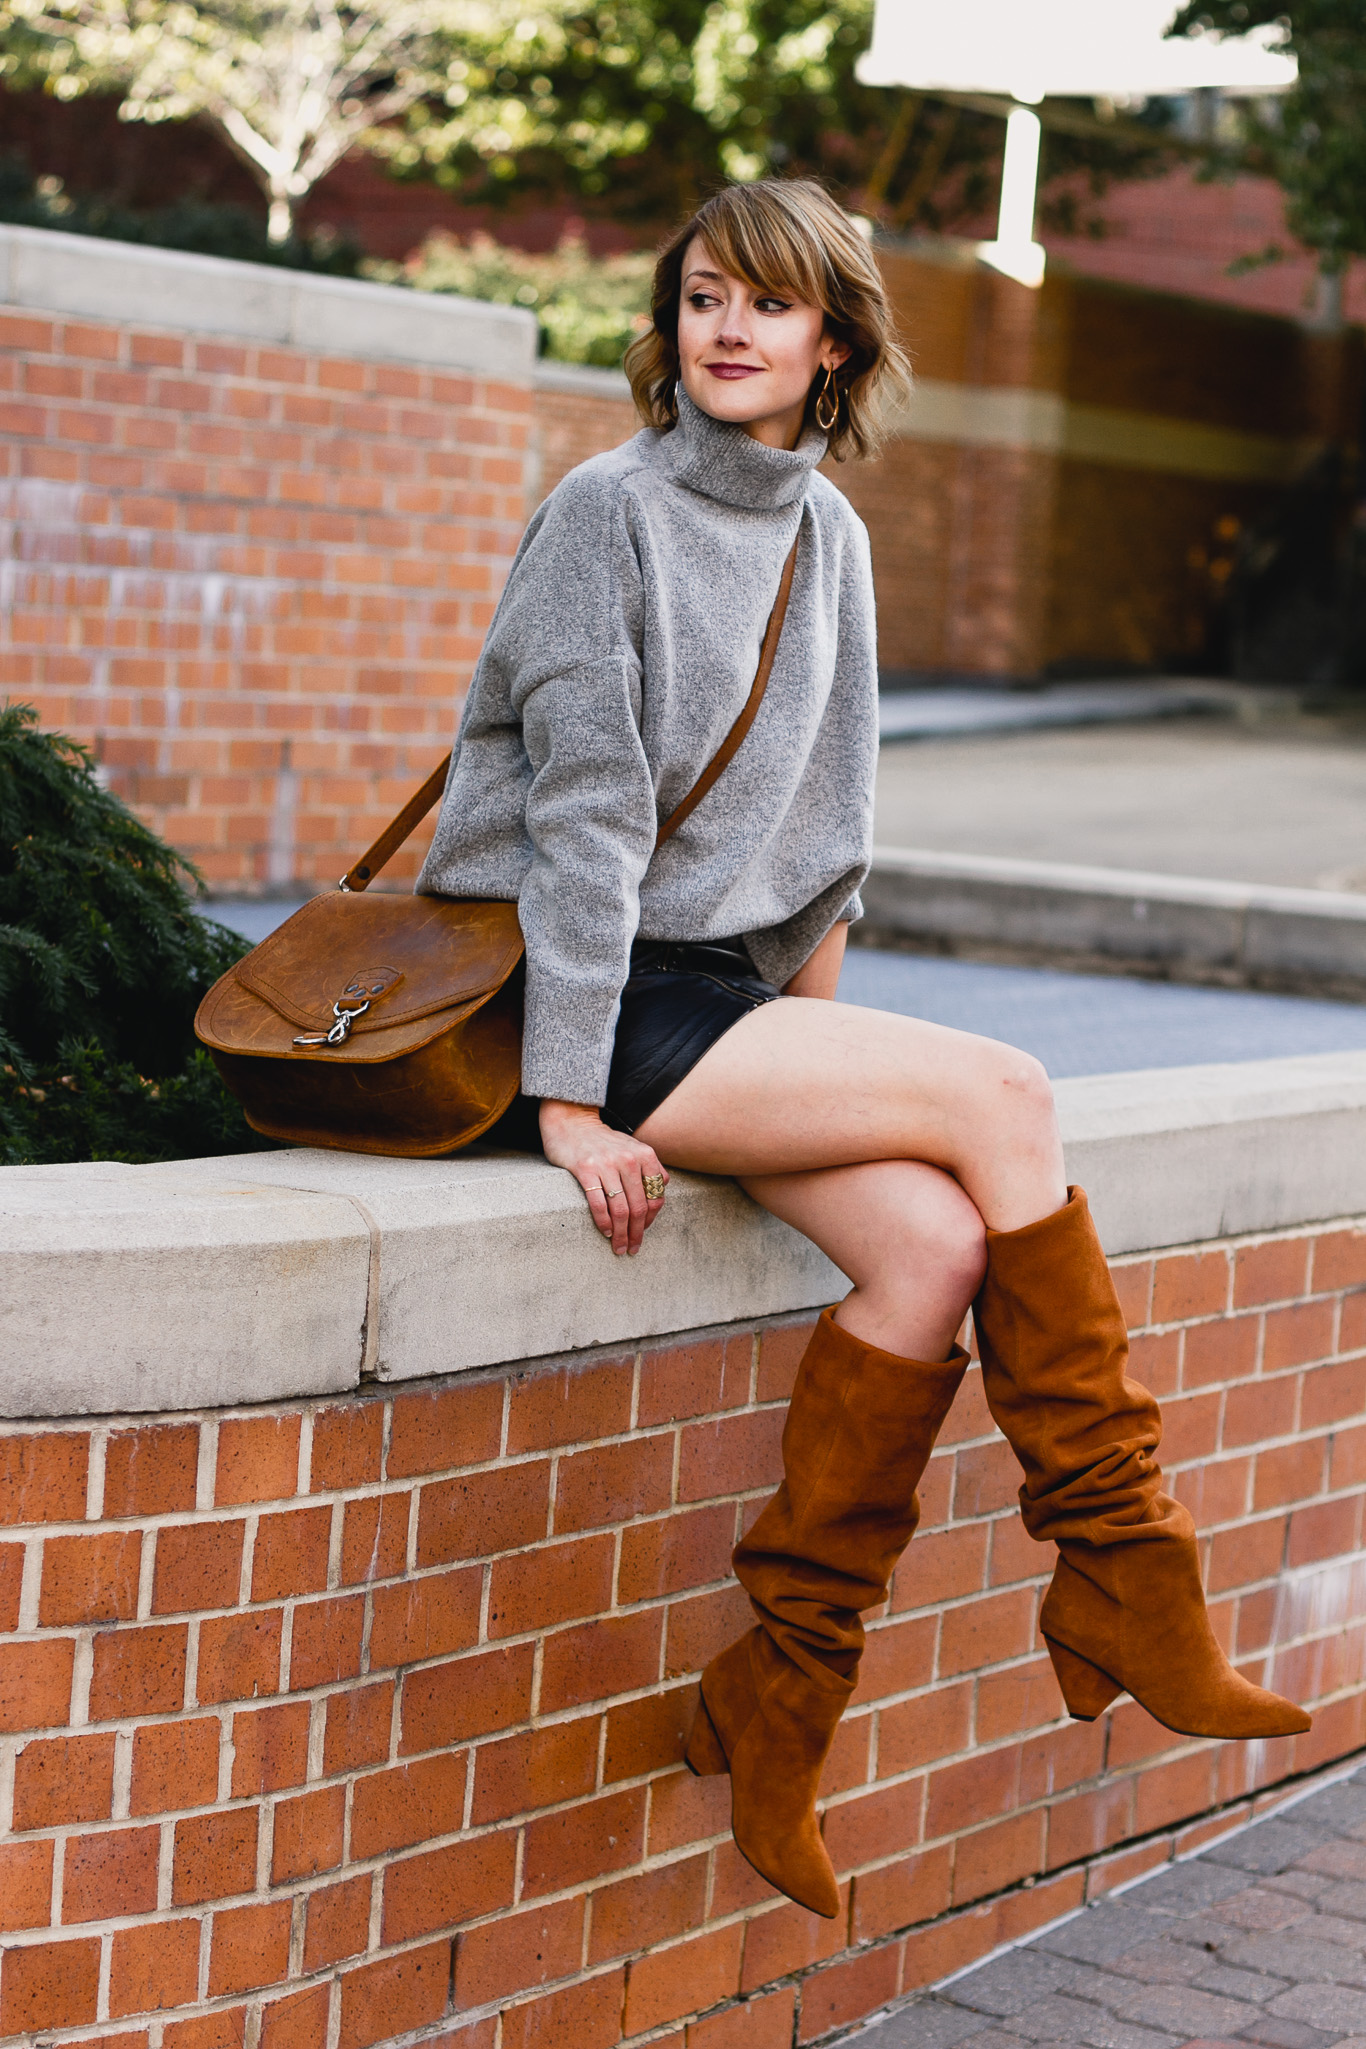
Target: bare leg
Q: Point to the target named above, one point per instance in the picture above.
(801, 1083)
(909, 1239)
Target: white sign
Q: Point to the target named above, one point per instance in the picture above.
(1112, 49)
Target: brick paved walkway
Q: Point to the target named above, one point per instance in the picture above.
(1262, 1940)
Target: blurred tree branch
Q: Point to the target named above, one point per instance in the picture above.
(292, 86)
(633, 107)
(1313, 139)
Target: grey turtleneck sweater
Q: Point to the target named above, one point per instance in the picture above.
(624, 646)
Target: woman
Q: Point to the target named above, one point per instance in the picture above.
(925, 1162)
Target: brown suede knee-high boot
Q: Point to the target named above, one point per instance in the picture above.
(859, 1432)
(1126, 1610)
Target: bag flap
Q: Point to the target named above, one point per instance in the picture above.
(392, 959)
(232, 1020)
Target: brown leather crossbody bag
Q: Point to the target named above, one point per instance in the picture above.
(393, 1024)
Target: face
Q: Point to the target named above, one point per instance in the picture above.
(746, 356)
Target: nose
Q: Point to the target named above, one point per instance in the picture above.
(734, 331)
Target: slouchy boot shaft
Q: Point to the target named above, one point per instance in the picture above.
(861, 1426)
(1126, 1609)
(859, 1433)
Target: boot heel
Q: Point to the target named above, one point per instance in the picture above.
(1086, 1689)
(703, 1755)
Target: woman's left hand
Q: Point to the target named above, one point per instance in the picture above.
(610, 1167)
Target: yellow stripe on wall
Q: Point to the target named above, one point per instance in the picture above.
(986, 416)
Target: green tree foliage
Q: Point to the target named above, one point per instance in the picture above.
(636, 108)
(87, 1106)
(641, 107)
(1314, 138)
(103, 960)
(291, 85)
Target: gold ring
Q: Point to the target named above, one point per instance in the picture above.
(654, 1187)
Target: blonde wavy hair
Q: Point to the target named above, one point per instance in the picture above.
(783, 235)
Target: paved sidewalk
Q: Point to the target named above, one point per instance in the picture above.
(1283, 800)
(1260, 1940)
(1100, 1024)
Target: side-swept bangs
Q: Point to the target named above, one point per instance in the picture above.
(787, 236)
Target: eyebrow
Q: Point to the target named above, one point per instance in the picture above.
(718, 277)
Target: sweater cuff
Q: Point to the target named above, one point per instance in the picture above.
(567, 1040)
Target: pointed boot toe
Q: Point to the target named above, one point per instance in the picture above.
(1242, 1709)
(775, 1775)
(774, 1727)
(1135, 1621)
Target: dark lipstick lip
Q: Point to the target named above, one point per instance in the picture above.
(729, 372)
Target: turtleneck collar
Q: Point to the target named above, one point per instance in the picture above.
(726, 463)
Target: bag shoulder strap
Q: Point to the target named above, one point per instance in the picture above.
(420, 803)
(397, 830)
(734, 739)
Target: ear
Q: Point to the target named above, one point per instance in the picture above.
(834, 352)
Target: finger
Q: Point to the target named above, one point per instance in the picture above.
(597, 1205)
(654, 1180)
(637, 1203)
(621, 1217)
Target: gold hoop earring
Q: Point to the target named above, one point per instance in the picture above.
(828, 403)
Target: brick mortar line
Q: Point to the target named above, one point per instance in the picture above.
(19, 1428)
(1267, 1802)
(285, 1605)
(565, 1717)
(390, 1393)
(385, 1861)
(476, 386)
(152, 1521)
(1305, 1785)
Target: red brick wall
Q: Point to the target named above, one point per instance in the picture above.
(571, 426)
(254, 580)
(367, 1714)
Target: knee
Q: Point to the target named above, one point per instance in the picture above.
(947, 1238)
(1022, 1085)
(963, 1246)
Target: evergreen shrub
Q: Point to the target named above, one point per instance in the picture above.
(103, 960)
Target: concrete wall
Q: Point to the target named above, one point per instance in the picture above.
(335, 1712)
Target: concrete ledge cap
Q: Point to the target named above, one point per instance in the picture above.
(266, 1276)
(1243, 931)
(140, 1288)
(589, 379)
(1171, 1156)
(171, 288)
(1122, 882)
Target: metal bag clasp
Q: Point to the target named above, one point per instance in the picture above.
(340, 1031)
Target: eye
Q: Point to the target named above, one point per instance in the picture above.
(769, 304)
(699, 301)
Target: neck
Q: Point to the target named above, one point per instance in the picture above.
(779, 430)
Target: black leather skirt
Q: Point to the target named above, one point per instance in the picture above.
(679, 999)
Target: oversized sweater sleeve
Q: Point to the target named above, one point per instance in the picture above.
(571, 640)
